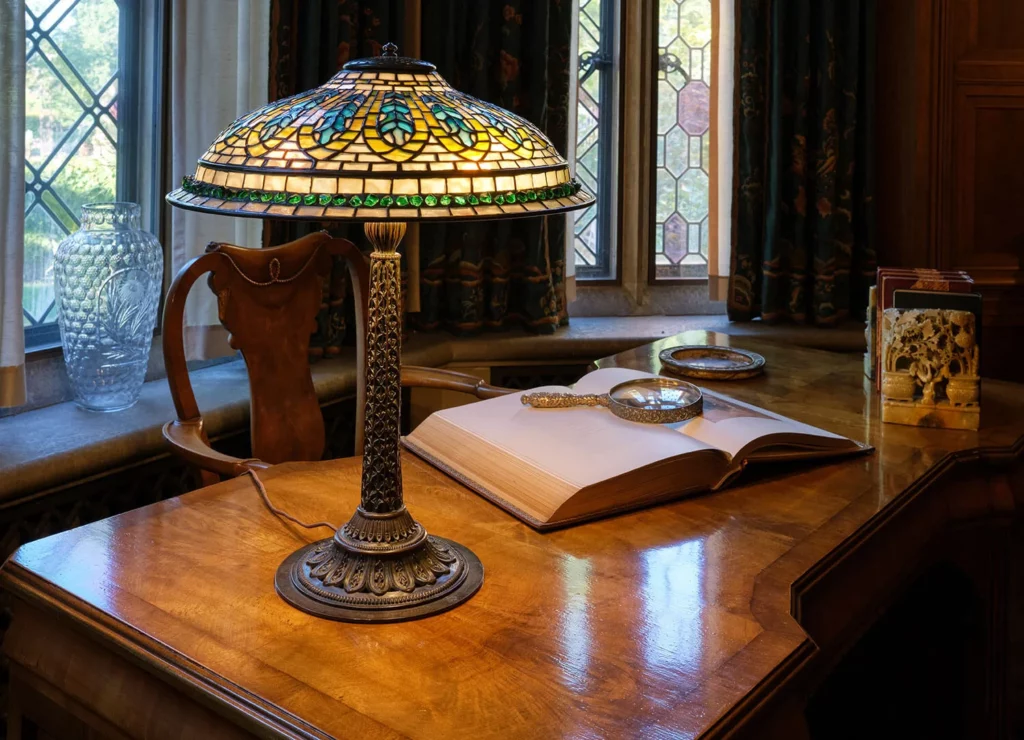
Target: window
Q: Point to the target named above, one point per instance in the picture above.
(683, 139)
(656, 174)
(80, 129)
(595, 117)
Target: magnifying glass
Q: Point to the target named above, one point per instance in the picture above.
(646, 400)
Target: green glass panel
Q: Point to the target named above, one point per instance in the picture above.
(430, 200)
(695, 22)
(460, 200)
(402, 201)
(676, 154)
(355, 201)
(693, 196)
(446, 200)
(371, 200)
(387, 201)
(666, 107)
(416, 200)
(665, 194)
(696, 152)
(668, 21)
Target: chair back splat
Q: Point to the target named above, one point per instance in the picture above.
(268, 299)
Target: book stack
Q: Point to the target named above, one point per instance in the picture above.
(917, 288)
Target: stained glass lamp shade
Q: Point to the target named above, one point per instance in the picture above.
(385, 141)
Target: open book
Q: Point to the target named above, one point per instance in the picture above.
(552, 467)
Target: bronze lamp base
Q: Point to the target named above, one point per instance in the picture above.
(436, 576)
(381, 566)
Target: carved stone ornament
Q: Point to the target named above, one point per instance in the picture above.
(930, 368)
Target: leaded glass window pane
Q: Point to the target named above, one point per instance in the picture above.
(592, 233)
(682, 122)
(71, 134)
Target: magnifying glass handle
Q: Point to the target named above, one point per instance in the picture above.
(563, 400)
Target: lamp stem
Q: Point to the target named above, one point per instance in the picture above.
(381, 565)
(382, 471)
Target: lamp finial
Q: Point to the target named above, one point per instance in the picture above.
(389, 50)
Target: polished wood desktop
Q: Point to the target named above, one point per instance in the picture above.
(718, 615)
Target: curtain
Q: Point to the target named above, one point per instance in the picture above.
(310, 41)
(219, 72)
(500, 274)
(12, 201)
(802, 237)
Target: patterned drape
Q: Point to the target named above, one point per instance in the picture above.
(309, 42)
(803, 243)
(506, 273)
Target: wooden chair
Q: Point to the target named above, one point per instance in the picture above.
(268, 299)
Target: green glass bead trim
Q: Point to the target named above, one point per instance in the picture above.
(370, 200)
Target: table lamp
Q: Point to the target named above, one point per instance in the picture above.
(385, 141)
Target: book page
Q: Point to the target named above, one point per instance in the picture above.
(725, 423)
(736, 427)
(581, 446)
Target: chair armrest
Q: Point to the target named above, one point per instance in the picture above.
(414, 376)
(189, 441)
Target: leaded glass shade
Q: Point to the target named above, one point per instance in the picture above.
(385, 139)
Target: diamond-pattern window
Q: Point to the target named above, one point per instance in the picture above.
(592, 232)
(682, 121)
(72, 61)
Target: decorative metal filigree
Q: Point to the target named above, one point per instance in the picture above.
(381, 565)
(382, 471)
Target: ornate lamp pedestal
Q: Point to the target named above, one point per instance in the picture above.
(381, 566)
(385, 141)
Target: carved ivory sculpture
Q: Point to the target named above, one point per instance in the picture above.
(930, 368)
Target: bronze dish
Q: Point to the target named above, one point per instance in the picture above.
(645, 400)
(711, 362)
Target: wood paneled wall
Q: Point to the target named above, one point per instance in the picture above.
(951, 153)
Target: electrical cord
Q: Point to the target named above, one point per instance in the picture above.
(278, 512)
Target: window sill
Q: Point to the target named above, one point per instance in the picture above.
(46, 448)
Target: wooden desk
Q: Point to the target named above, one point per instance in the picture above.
(726, 614)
